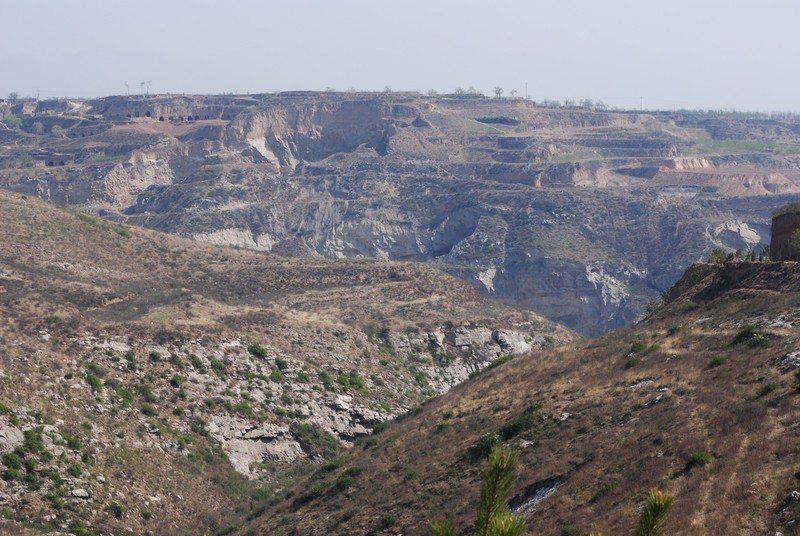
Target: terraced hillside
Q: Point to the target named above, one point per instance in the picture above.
(580, 215)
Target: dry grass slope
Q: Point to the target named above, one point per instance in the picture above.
(699, 400)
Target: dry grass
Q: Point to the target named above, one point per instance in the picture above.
(637, 427)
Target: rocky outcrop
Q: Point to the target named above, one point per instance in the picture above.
(248, 445)
(10, 436)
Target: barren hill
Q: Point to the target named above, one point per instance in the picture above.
(157, 383)
(700, 400)
(580, 215)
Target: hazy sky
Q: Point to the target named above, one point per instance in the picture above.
(719, 54)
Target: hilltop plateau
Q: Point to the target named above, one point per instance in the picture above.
(151, 382)
(580, 215)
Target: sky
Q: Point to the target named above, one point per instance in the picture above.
(655, 54)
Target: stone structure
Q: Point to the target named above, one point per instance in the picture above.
(785, 222)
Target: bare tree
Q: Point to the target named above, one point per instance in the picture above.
(498, 92)
(513, 92)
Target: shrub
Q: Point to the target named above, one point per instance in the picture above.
(74, 469)
(674, 330)
(276, 376)
(72, 442)
(257, 350)
(12, 461)
(718, 360)
(637, 348)
(605, 489)
(316, 439)
(749, 336)
(148, 409)
(697, 459)
(767, 389)
(483, 447)
(33, 441)
(94, 382)
(154, 356)
(717, 256)
(521, 423)
(216, 364)
(117, 510)
(176, 381)
(282, 364)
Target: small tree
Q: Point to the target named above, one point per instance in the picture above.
(498, 92)
(13, 122)
(494, 518)
(38, 128)
(57, 132)
(513, 92)
(717, 256)
(13, 96)
(654, 517)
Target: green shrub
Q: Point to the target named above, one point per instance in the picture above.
(94, 382)
(697, 459)
(605, 489)
(484, 446)
(176, 381)
(72, 442)
(12, 461)
(117, 510)
(767, 388)
(33, 441)
(521, 423)
(148, 409)
(717, 256)
(316, 439)
(637, 348)
(197, 363)
(718, 360)
(282, 364)
(749, 336)
(74, 469)
(631, 362)
(257, 350)
(216, 364)
(674, 330)
(276, 376)
(154, 356)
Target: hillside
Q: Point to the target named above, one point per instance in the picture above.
(580, 215)
(700, 400)
(157, 383)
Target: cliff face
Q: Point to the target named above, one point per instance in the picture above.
(529, 204)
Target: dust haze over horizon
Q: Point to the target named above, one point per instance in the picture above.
(697, 54)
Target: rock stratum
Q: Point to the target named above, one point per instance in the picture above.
(580, 215)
